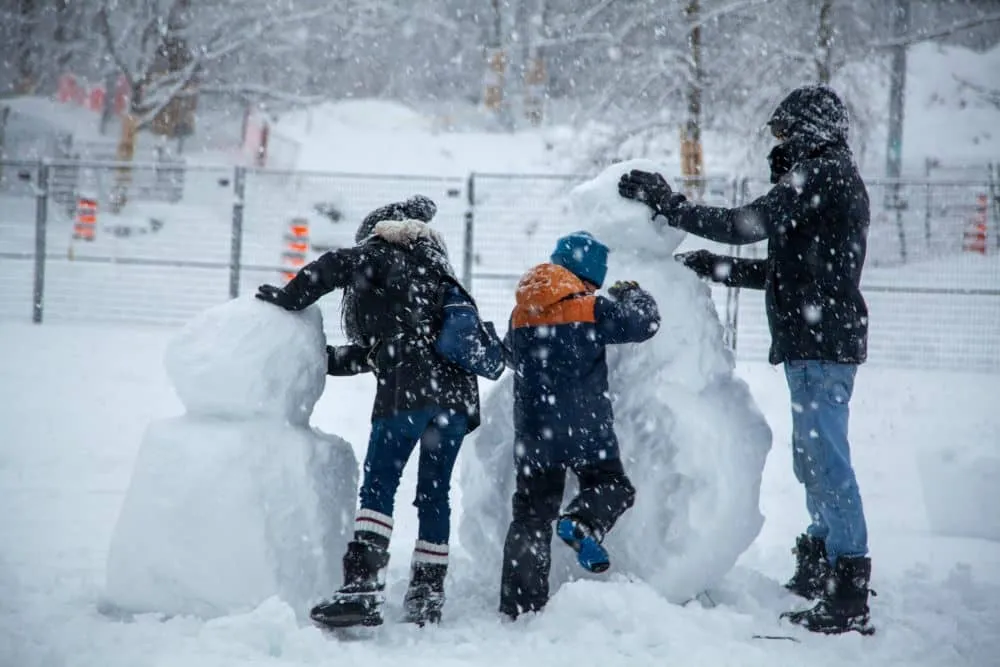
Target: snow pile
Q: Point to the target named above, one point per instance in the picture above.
(237, 500)
(961, 487)
(692, 438)
(380, 137)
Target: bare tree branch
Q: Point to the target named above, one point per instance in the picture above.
(104, 27)
(257, 91)
(989, 95)
(926, 35)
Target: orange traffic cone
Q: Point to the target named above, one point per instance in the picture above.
(296, 246)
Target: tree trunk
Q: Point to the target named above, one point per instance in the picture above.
(27, 45)
(496, 59)
(125, 153)
(692, 167)
(534, 69)
(897, 91)
(824, 42)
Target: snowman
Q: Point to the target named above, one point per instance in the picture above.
(237, 500)
(692, 439)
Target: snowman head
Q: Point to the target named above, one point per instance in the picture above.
(627, 224)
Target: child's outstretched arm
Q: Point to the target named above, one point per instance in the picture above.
(630, 316)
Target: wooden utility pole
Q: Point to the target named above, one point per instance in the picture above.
(897, 90)
(27, 46)
(534, 67)
(692, 163)
(496, 63)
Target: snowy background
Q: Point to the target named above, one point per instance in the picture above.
(150, 509)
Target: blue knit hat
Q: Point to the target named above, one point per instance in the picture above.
(584, 255)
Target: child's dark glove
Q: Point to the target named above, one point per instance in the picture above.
(622, 288)
(277, 296)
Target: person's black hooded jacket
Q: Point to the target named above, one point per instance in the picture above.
(815, 220)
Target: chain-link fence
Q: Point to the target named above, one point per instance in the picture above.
(932, 277)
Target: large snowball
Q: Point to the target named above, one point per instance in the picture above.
(246, 358)
(692, 438)
(221, 515)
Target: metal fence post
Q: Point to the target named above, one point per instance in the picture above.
(236, 236)
(468, 250)
(41, 223)
(927, 216)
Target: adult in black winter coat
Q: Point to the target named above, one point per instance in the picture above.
(815, 221)
(410, 321)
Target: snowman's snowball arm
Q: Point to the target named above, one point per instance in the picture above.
(632, 319)
(750, 223)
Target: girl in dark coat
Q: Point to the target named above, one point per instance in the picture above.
(411, 322)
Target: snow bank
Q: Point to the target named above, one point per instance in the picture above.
(237, 500)
(961, 487)
(380, 137)
(692, 437)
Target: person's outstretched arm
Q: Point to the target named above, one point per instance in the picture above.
(730, 271)
(332, 270)
(749, 223)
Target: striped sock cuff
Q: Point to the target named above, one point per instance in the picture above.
(371, 521)
(430, 553)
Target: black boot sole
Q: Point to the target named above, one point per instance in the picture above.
(347, 621)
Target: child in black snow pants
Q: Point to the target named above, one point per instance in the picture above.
(562, 413)
(412, 323)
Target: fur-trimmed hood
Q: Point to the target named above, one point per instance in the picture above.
(408, 232)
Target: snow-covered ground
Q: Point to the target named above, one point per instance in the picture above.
(75, 401)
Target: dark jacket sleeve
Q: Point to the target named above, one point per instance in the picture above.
(347, 360)
(632, 319)
(332, 270)
(748, 273)
(750, 223)
(468, 342)
(508, 343)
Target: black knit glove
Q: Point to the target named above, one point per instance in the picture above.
(780, 162)
(701, 262)
(621, 289)
(647, 187)
(277, 296)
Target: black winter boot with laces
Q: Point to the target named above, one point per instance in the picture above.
(812, 568)
(844, 605)
(359, 601)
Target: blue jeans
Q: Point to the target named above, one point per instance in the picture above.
(821, 455)
(389, 447)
